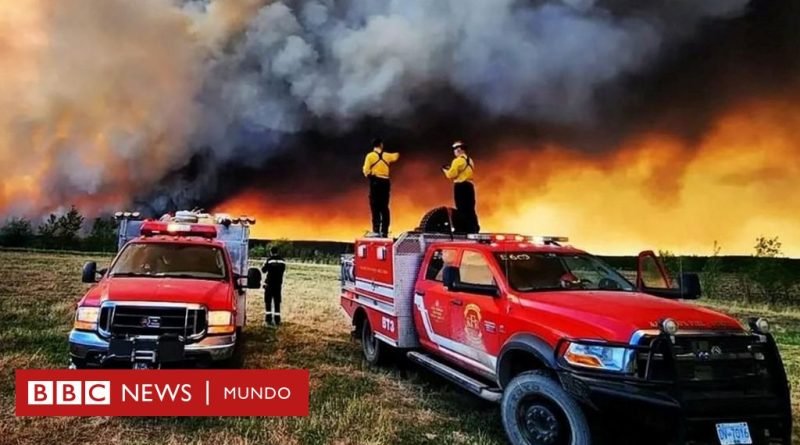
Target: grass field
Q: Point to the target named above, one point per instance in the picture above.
(350, 402)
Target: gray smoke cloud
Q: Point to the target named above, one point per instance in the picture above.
(304, 61)
(134, 90)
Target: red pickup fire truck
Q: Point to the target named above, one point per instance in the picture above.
(173, 293)
(563, 341)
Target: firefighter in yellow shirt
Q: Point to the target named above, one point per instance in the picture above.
(461, 171)
(376, 169)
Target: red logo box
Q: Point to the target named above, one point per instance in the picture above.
(64, 392)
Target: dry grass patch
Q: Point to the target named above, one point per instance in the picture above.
(351, 403)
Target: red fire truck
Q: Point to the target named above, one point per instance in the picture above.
(175, 292)
(563, 341)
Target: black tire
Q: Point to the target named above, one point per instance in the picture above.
(375, 351)
(236, 360)
(437, 220)
(537, 411)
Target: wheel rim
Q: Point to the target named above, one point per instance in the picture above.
(542, 422)
(369, 340)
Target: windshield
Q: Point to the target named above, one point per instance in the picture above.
(549, 271)
(170, 260)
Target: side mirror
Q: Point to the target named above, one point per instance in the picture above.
(89, 274)
(689, 288)
(689, 285)
(451, 277)
(253, 278)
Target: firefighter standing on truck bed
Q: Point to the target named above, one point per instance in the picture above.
(274, 267)
(461, 171)
(376, 169)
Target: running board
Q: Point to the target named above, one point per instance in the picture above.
(480, 389)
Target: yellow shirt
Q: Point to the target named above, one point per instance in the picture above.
(461, 169)
(377, 162)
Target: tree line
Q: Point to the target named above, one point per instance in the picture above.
(74, 232)
(764, 276)
(68, 231)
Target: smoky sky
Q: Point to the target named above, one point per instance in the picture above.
(289, 104)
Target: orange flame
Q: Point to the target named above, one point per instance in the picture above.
(741, 181)
(97, 99)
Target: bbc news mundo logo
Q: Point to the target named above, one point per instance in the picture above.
(74, 392)
(251, 392)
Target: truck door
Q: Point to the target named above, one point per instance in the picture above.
(474, 316)
(651, 273)
(432, 300)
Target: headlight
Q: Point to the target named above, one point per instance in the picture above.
(605, 358)
(220, 322)
(759, 325)
(86, 318)
(669, 326)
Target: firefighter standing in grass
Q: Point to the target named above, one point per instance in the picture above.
(376, 170)
(274, 268)
(461, 171)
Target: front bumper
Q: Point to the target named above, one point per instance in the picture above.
(671, 409)
(632, 412)
(90, 347)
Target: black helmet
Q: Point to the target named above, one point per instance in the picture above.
(377, 142)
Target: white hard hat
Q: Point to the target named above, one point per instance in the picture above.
(458, 144)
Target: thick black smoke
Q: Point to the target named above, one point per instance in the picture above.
(289, 104)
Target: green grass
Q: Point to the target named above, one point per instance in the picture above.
(351, 403)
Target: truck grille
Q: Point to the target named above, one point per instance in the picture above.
(123, 320)
(731, 361)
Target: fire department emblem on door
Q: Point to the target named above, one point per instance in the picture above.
(472, 323)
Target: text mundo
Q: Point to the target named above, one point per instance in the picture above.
(258, 393)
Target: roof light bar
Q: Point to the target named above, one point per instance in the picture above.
(151, 228)
(498, 237)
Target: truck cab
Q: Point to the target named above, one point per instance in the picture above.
(563, 341)
(175, 292)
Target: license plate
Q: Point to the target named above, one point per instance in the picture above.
(734, 434)
(170, 351)
(121, 347)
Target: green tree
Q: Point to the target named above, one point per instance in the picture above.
(61, 232)
(285, 247)
(767, 270)
(47, 232)
(768, 247)
(258, 251)
(17, 232)
(103, 235)
(68, 228)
